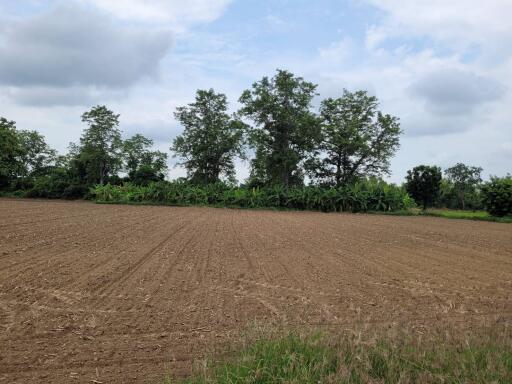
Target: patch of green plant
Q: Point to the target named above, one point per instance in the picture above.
(322, 358)
(362, 196)
(470, 215)
(449, 214)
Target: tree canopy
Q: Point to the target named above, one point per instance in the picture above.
(141, 163)
(10, 152)
(285, 128)
(464, 179)
(100, 145)
(36, 156)
(423, 184)
(211, 139)
(357, 139)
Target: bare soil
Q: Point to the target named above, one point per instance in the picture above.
(110, 293)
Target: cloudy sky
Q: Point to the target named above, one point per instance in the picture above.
(443, 67)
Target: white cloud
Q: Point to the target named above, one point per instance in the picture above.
(461, 22)
(181, 12)
(72, 54)
(338, 51)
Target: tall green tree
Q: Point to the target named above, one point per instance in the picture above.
(10, 152)
(357, 138)
(100, 150)
(285, 128)
(465, 180)
(211, 140)
(141, 163)
(423, 184)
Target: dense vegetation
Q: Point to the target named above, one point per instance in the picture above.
(402, 358)
(330, 160)
(498, 196)
(361, 196)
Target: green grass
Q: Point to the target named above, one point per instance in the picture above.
(470, 215)
(323, 358)
(450, 214)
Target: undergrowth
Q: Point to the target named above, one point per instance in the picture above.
(358, 197)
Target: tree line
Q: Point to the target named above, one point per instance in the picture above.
(461, 188)
(29, 167)
(346, 141)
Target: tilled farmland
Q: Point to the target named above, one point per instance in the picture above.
(111, 293)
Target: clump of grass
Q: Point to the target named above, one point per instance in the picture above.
(402, 358)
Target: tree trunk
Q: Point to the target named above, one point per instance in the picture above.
(338, 170)
(102, 172)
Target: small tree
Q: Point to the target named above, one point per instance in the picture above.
(465, 179)
(497, 195)
(142, 164)
(423, 183)
(10, 152)
(211, 140)
(357, 139)
(100, 145)
(286, 130)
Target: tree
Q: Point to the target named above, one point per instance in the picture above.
(37, 156)
(100, 145)
(211, 140)
(497, 196)
(142, 164)
(464, 179)
(423, 184)
(10, 152)
(357, 139)
(286, 130)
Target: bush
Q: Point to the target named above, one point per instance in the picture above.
(497, 196)
(47, 187)
(73, 192)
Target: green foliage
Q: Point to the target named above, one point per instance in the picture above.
(286, 130)
(10, 152)
(365, 195)
(497, 196)
(423, 183)
(99, 154)
(142, 164)
(465, 180)
(211, 139)
(469, 215)
(357, 139)
(450, 198)
(37, 157)
(25, 155)
(403, 358)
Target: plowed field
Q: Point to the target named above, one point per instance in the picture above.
(126, 293)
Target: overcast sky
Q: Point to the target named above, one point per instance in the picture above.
(443, 67)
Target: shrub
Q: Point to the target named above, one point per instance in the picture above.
(497, 196)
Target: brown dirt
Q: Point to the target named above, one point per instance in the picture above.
(126, 293)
